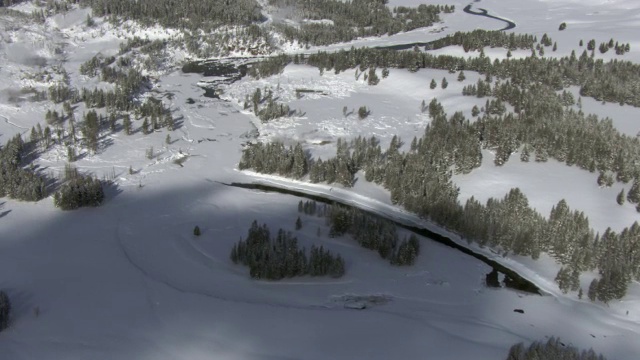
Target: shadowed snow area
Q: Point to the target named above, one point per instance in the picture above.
(128, 280)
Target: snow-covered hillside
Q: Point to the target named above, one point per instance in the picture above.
(129, 280)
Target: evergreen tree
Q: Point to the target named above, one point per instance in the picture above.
(5, 310)
(145, 126)
(126, 124)
(593, 290)
(633, 196)
(196, 231)
(461, 76)
(298, 223)
(620, 197)
(444, 83)
(433, 84)
(475, 111)
(363, 112)
(373, 78)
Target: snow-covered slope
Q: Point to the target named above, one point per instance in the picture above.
(128, 279)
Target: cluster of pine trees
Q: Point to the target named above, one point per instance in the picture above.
(265, 106)
(15, 181)
(194, 15)
(370, 231)
(545, 122)
(552, 349)
(279, 257)
(479, 39)
(270, 66)
(275, 158)
(420, 180)
(353, 19)
(78, 190)
(612, 81)
(98, 62)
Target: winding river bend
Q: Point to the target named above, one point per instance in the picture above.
(485, 13)
(512, 279)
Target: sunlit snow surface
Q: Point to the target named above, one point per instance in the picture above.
(128, 280)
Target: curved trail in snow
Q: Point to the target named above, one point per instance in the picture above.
(6, 119)
(485, 13)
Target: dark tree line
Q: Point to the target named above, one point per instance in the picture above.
(269, 66)
(78, 190)
(613, 81)
(16, 181)
(552, 349)
(279, 257)
(353, 19)
(479, 39)
(545, 123)
(420, 180)
(195, 15)
(370, 231)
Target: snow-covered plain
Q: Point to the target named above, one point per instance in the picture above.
(128, 280)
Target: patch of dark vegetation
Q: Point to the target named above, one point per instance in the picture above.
(78, 190)
(551, 350)
(279, 257)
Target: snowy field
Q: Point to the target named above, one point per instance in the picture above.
(129, 280)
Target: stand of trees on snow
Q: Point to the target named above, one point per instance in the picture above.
(552, 349)
(270, 108)
(612, 81)
(420, 180)
(78, 191)
(15, 181)
(370, 231)
(479, 39)
(325, 22)
(279, 257)
(270, 66)
(195, 15)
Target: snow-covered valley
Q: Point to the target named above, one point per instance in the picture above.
(129, 279)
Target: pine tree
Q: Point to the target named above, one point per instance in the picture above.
(234, 254)
(444, 83)
(5, 310)
(592, 293)
(145, 126)
(633, 196)
(298, 223)
(373, 78)
(433, 84)
(461, 76)
(620, 197)
(112, 122)
(475, 111)
(196, 231)
(524, 154)
(363, 112)
(126, 124)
